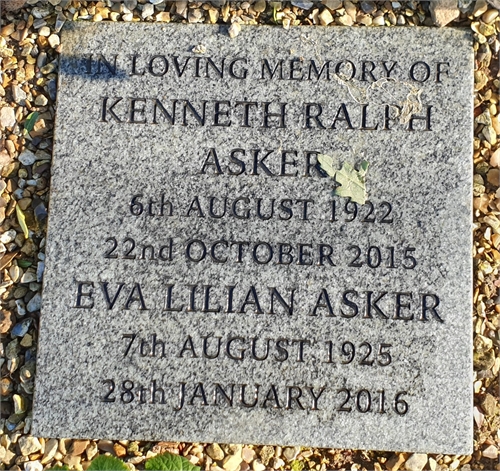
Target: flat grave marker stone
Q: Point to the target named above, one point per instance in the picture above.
(203, 282)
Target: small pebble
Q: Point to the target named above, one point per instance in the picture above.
(332, 4)
(27, 341)
(215, 452)
(8, 236)
(78, 447)
(247, 454)
(19, 404)
(7, 117)
(19, 95)
(33, 466)
(7, 318)
(41, 100)
(259, 6)
(148, 10)
(302, 4)
(28, 277)
(234, 30)
(416, 462)
(325, 17)
(163, 16)
(257, 465)
(35, 303)
(44, 31)
(489, 16)
(28, 445)
(50, 450)
(21, 328)
(345, 20)
(54, 40)
(21, 307)
(27, 157)
(491, 452)
(291, 453)
(368, 7)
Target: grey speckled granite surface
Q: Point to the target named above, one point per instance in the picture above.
(319, 323)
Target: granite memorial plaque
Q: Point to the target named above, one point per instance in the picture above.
(211, 277)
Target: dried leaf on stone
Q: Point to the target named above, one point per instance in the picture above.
(30, 121)
(352, 182)
(168, 461)
(326, 163)
(22, 221)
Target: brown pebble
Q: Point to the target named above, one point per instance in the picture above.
(7, 30)
(72, 460)
(493, 177)
(215, 452)
(259, 6)
(78, 447)
(6, 386)
(489, 405)
(489, 16)
(119, 450)
(24, 203)
(395, 461)
(27, 341)
(6, 321)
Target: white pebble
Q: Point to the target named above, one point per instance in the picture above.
(14, 273)
(234, 30)
(27, 157)
(491, 452)
(19, 94)
(8, 236)
(41, 100)
(28, 445)
(33, 466)
(7, 117)
(148, 10)
(416, 462)
(44, 31)
(54, 40)
(28, 277)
